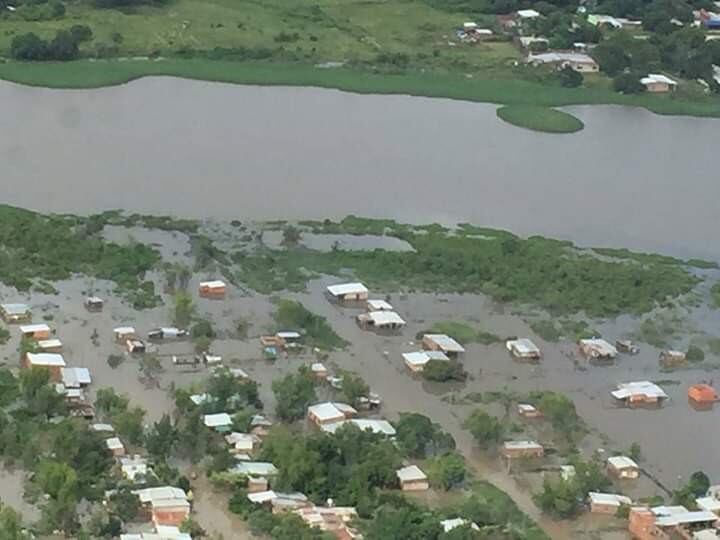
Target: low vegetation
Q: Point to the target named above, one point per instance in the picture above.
(539, 118)
(464, 333)
(291, 315)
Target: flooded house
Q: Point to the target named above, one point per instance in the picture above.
(709, 504)
(639, 393)
(597, 349)
(523, 349)
(260, 425)
(416, 361)
(124, 333)
(451, 524)
(164, 505)
(607, 503)
(319, 371)
(279, 502)
(579, 62)
(94, 303)
(669, 522)
(255, 469)
(329, 413)
(53, 362)
(212, 289)
(15, 313)
(135, 346)
(528, 411)
(702, 396)
(671, 359)
(378, 305)
(242, 443)
(522, 450)
(220, 422)
(626, 346)
(53, 345)
(411, 478)
(116, 447)
(75, 377)
(282, 340)
(658, 83)
(348, 292)
(380, 427)
(380, 320)
(168, 332)
(332, 519)
(35, 331)
(623, 467)
(444, 343)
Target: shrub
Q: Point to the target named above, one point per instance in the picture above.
(695, 354)
(81, 32)
(443, 371)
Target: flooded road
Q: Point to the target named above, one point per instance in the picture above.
(190, 148)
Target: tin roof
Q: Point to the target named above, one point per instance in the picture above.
(347, 288)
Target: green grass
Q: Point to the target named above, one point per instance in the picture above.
(464, 333)
(539, 119)
(291, 315)
(715, 293)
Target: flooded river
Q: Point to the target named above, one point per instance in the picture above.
(164, 145)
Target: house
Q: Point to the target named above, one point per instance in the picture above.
(255, 469)
(532, 42)
(411, 478)
(442, 342)
(162, 532)
(623, 467)
(527, 14)
(212, 289)
(35, 331)
(221, 422)
(15, 313)
(578, 61)
(607, 503)
(116, 447)
(332, 519)
(669, 359)
(259, 425)
(528, 411)
(165, 505)
(330, 412)
(51, 361)
(604, 21)
(242, 443)
(522, 449)
(706, 534)
(450, 524)
(657, 83)
(382, 427)
(597, 349)
(134, 468)
(319, 371)
(416, 361)
(666, 522)
(523, 349)
(708, 504)
(123, 333)
(702, 395)
(75, 377)
(278, 501)
(381, 320)
(378, 305)
(639, 393)
(73, 396)
(102, 428)
(93, 303)
(169, 332)
(626, 346)
(348, 292)
(50, 346)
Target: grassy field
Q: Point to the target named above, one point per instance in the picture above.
(539, 118)
(387, 47)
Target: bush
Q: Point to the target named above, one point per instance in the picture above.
(81, 32)
(486, 429)
(695, 354)
(569, 78)
(628, 83)
(114, 360)
(444, 370)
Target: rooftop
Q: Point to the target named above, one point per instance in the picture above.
(522, 346)
(255, 468)
(522, 445)
(410, 473)
(657, 78)
(213, 284)
(114, 443)
(330, 410)
(32, 328)
(622, 462)
(347, 288)
(74, 377)
(609, 499)
(46, 359)
(217, 420)
(382, 318)
(379, 305)
(15, 309)
(638, 388)
(445, 342)
(420, 358)
(450, 524)
(557, 56)
(376, 426)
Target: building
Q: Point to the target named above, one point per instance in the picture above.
(670, 359)
(450, 524)
(332, 519)
(597, 349)
(578, 61)
(411, 478)
(623, 467)
(532, 42)
(706, 534)
(527, 14)
(212, 289)
(35, 331)
(607, 503)
(123, 333)
(329, 413)
(15, 313)
(116, 447)
(381, 320)
(134, 468)
(348, 292)
(278, 501)
(668, 522)
(523, 349)
(162, 532)
(639, 393)
(382, 427)
(522, 449)
(378, 305)
(75, 377)
(626, 346)
(702, 395)
(169, 332)
(708, 504)
(221, 422)
(255, 469)
(50, 346)
(51, 361)
(135, 346)
(242, 443)
(93, 303)
(260, 425)
(604, 20)
(102, 428)
(657, 83)
(416, 361)
(164, 505)
(528, 411)
(319, 371)
(442, 342)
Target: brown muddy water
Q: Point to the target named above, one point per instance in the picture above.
(163, 145)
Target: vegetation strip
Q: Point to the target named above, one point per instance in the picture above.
(539, 119)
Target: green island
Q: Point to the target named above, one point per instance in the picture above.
(415, 47)
(539, 118)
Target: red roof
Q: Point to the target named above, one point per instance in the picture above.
(703, 393)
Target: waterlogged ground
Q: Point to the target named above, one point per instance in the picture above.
(674, 440)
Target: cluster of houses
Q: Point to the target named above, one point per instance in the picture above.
(440, 347)
(379, 314)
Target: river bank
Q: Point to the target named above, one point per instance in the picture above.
(83, 74)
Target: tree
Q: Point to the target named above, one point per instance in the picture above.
(695, 354)
(63, 46)
(403, 521)
(129, 424)
(444, 370)
(229, 393)
(125, 504)
(160, 439)
(354, 387)
(40, 397)
(559, 498)
(28, 47)
(81, 32)
(11, 524)
(291, 235)
(628, 83)
(293, 394)
(486, 429)
(183, 309)
(110, 403)
(611, 57)
(569, 78)
(447, 471)
(419, 436)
